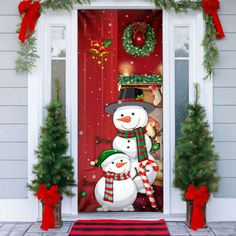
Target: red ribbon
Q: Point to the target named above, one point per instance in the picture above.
(200, 198)
(31, 13)
(210, 7)
(50, 198)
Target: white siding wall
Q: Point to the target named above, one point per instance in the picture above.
(13, 108)
(225, 101)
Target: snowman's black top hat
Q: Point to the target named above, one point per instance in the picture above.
(130, 97)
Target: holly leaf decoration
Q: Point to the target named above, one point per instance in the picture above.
(140, 97)
(107, 43)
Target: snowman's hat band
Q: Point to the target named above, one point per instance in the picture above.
(130, 97)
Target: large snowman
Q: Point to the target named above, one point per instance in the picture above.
(116, 191)
(130, 117)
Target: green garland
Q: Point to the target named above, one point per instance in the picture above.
(27, 55)
(140, 79)
(146, 49)
(61, 4)
(178, 6)
(211, 52)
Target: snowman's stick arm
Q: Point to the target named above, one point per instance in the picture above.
(100, 140)
(137, 173)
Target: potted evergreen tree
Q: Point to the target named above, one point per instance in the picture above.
(195, 158)
(54, 167)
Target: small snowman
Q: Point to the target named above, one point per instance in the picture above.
(116, 191)
(130, 117)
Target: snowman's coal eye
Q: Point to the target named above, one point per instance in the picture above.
(121, 160)
(112, 162)
(132, 114)
(122, 115)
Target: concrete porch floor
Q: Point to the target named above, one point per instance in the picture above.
(175, 228)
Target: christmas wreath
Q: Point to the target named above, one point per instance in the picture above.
(139, 39)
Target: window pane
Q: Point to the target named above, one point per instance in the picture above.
(58, 38)
(181, 93)
(59, 72)
(181, 41)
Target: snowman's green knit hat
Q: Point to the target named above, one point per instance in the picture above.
(104, 155)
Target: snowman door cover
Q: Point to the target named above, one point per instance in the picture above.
(120, 110)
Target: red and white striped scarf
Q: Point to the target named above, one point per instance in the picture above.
(110, 177)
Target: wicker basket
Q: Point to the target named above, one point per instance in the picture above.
(190, 211)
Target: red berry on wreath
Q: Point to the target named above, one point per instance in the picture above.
(139, 39)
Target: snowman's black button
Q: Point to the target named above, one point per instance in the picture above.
(128, 141)
(128, 147)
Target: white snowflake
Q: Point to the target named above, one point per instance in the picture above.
(94, 176)
(81, 132)
(110, 24)
(126, 16)
(131, 62)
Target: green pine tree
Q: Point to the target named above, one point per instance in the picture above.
(54, 166)
(195, 157)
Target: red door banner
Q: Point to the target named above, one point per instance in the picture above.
(97, 87)
(102, 58)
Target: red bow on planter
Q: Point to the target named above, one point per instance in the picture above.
(31, 13)
(50, 198)
(200, 198)
(210, 7)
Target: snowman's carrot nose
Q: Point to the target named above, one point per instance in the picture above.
(126, 119)
(120, 164)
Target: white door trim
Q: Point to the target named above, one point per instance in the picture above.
(38, 79)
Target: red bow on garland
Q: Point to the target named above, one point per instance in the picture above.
(50, 198)
(200, 198)
(210, 7)
(31, 11)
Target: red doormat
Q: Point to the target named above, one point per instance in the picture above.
(119, 227)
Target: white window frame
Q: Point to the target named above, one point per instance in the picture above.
(194, 21)
(40, 91)
(69, 21)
